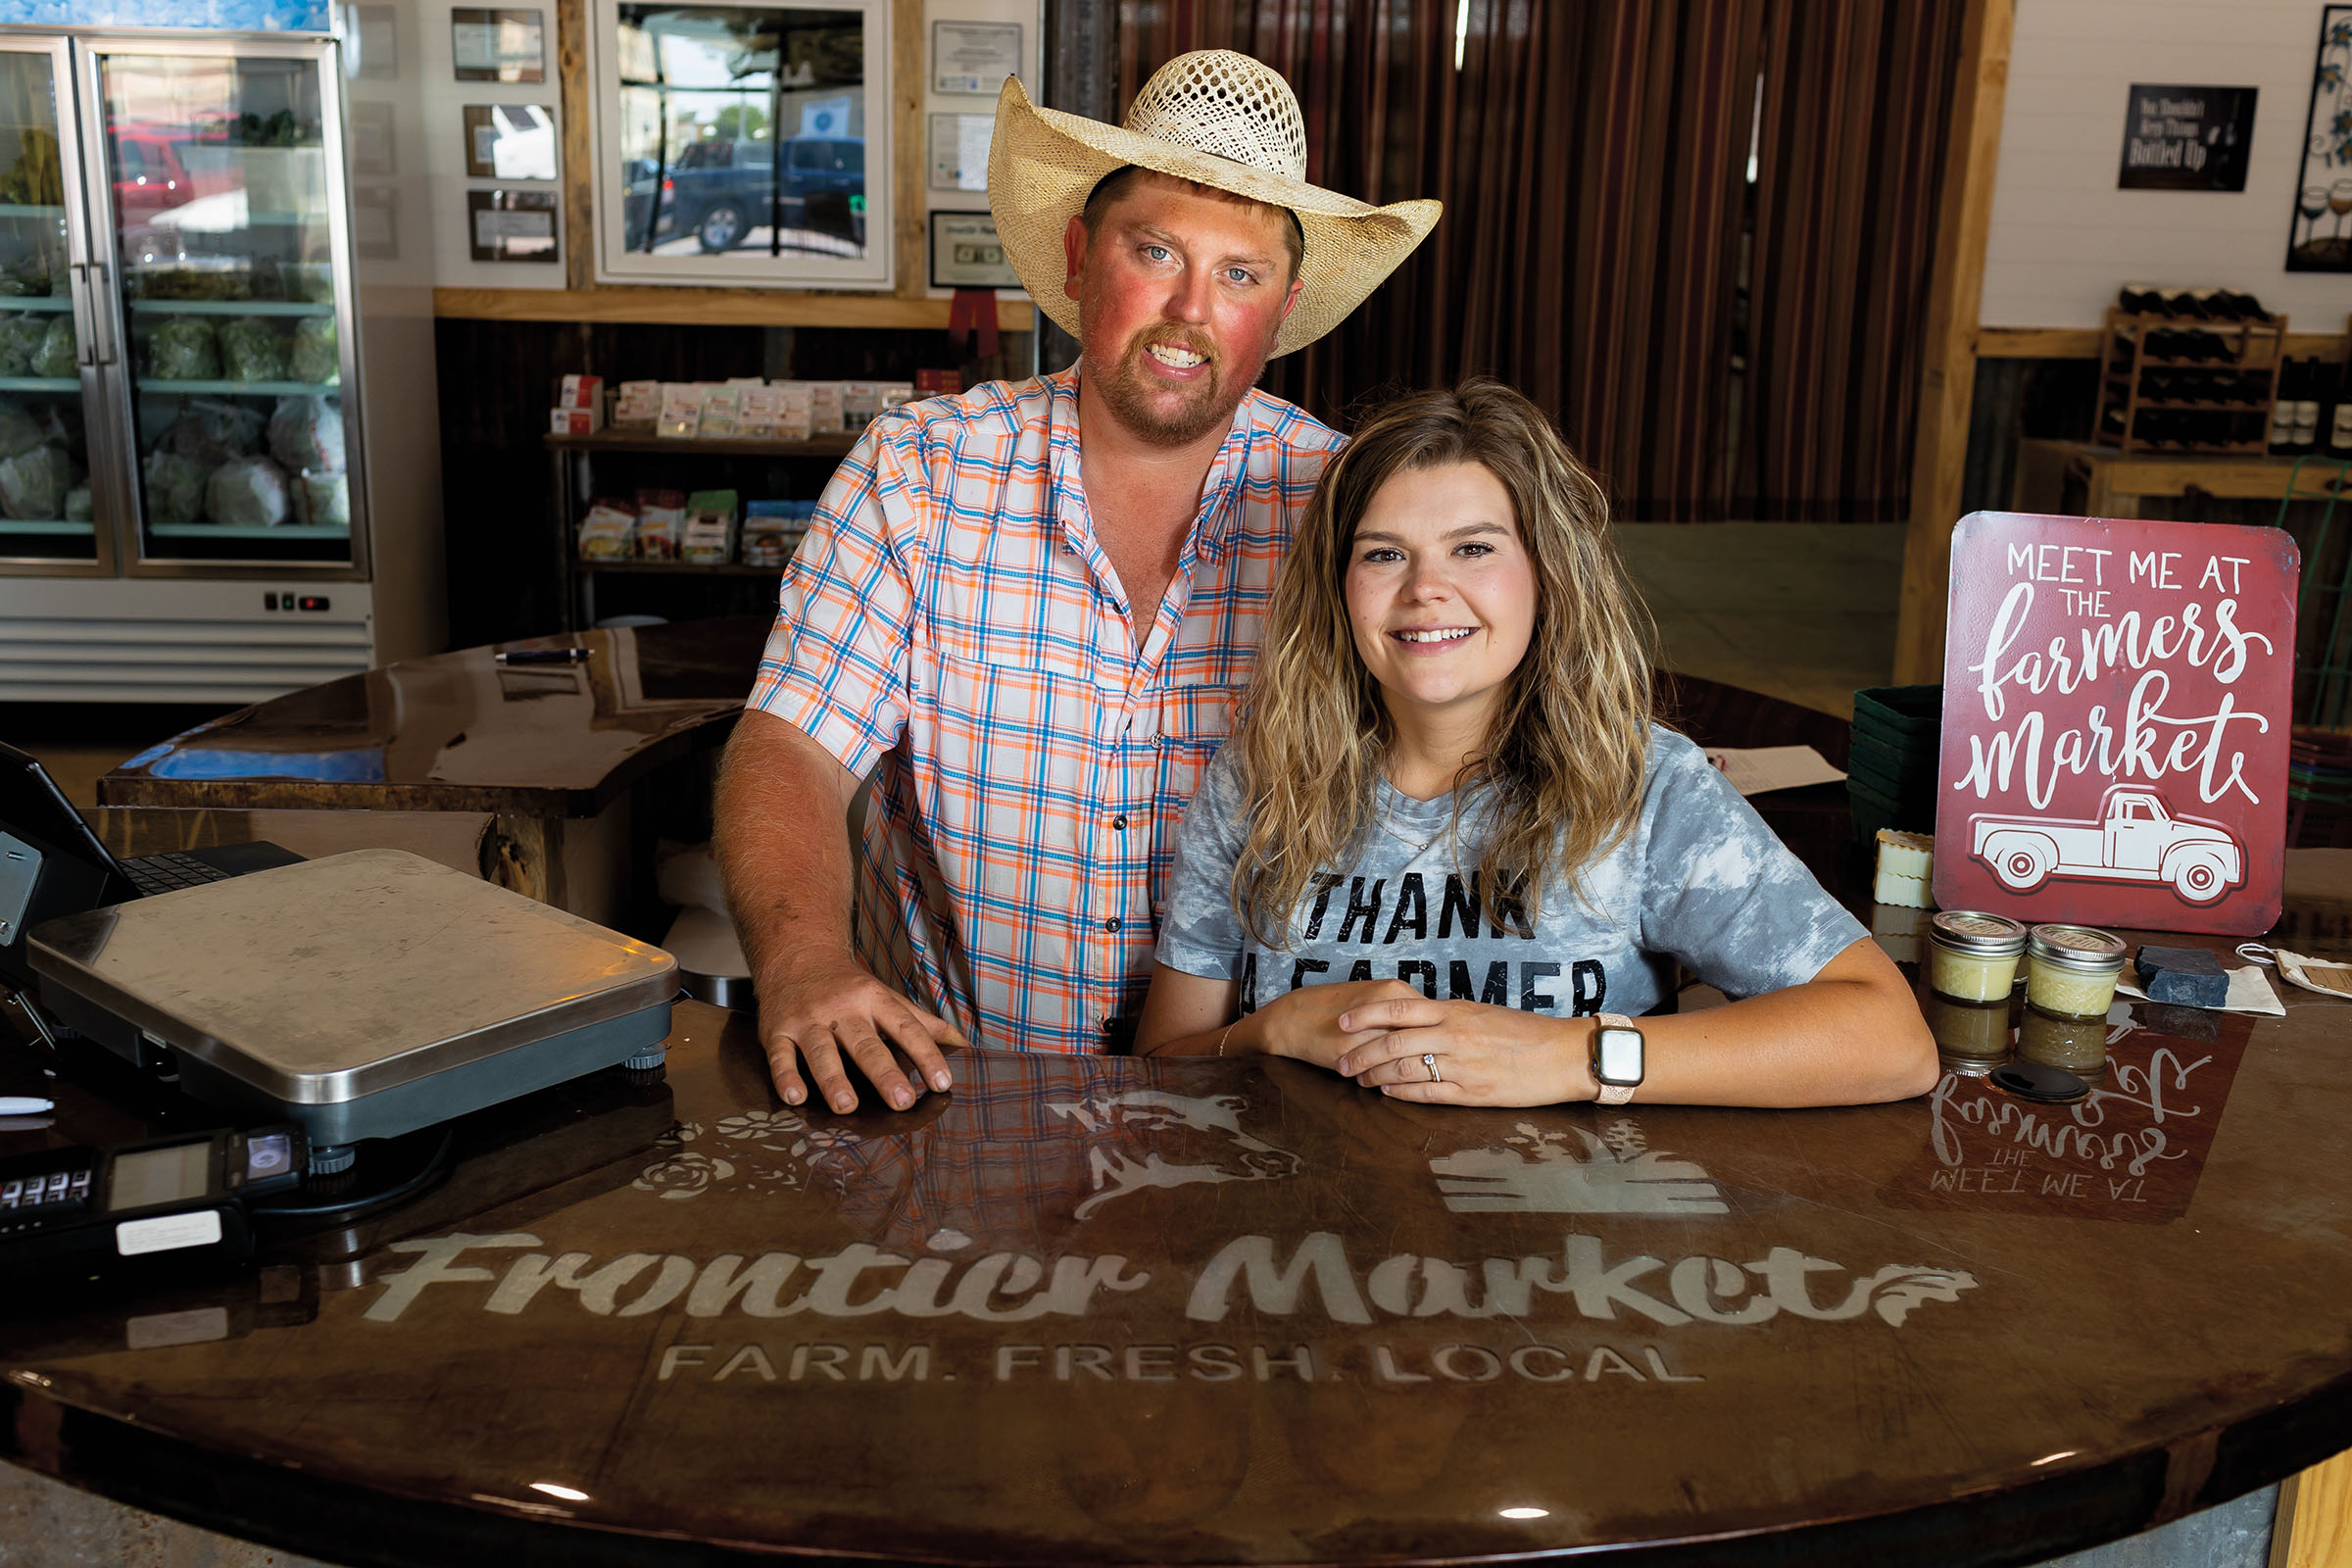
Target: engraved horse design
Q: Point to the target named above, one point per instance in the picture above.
(1151, 1138)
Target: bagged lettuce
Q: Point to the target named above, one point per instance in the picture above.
(315, 360)
(19, 431)
(306, 435)
(184, 348)
(77, 503)
(252, 349)
(34, 484)
(212, 434)
(54, 357)
(174, 488)
(323, 500)
(247, 493)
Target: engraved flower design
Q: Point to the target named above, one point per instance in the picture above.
(682, 1176)
(771, 1130)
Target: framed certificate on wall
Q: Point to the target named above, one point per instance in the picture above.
(965, 253)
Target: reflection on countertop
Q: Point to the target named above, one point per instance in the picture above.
(461, 731)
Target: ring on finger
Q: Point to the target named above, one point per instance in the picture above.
(1429, 1060)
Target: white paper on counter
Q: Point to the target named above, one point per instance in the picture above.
(1759, 770)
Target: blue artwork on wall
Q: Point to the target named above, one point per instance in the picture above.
(238, 16)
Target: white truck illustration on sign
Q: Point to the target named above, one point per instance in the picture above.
(2137, 838)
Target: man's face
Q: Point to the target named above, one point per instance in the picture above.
(1179, 298)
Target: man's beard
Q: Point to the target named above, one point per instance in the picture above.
(1206, 406)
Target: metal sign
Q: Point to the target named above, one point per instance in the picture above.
(2115, 722)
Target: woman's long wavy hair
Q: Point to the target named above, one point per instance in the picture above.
(1568, 751)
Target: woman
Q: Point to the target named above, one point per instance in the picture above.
(1447, 851)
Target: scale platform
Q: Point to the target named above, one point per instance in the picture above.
(362, 996)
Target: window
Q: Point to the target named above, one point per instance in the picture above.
(733, 137)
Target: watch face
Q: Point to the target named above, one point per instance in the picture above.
(1617, 1056)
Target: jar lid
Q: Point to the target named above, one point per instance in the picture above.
(2077, 946)
(1976, 934)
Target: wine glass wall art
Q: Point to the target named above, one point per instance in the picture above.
(2316, 240)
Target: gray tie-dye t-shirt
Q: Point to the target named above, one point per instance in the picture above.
(1700, 878)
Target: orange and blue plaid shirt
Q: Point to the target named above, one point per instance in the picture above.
(953, 625)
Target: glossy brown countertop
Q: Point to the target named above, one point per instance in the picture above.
(461, 732)
(1110, 1310)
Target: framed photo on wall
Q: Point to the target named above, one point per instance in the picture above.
(507, 46)
(2316, 238)
(512, 226)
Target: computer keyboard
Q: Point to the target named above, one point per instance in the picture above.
(173, 869)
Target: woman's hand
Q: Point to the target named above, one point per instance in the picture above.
(1484, 1054)
(1305, 1024)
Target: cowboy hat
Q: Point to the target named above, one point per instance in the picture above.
(1214, 118)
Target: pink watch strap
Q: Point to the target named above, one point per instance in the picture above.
(1614, 1094)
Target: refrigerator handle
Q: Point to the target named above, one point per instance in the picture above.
(85, 336)
(102, 320)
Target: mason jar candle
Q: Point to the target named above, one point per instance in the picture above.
(1971, 956)
(2078, 1044)
(1974, 1032)
(2071, 970)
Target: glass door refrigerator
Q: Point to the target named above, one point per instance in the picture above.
(184, 500)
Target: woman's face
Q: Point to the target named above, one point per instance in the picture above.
(1441, 593)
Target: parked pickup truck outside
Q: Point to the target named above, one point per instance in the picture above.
(718, 190)
(2138, 839)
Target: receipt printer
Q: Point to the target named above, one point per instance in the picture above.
(357, 995)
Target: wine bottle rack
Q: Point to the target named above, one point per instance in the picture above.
(2174, 384)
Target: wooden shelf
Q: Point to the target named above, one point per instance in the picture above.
(682, 568)
(2085, 342)
(713, 307)
(829, 446)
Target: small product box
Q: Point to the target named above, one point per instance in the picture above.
(860, 401)
(772, 530)
(575, 421)
(660, 525)
(640, 405)
(933, 383)
(723, 408)
(681, 408)
(825, 407)
(609, 531)
(795, 410)
(890, 395)
(710, 534)
(759, 412)
(581, 392)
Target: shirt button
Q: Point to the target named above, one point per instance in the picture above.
(1118, 824)
(1111, 924)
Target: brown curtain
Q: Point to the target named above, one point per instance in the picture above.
(1591, 155)
(1857, 99)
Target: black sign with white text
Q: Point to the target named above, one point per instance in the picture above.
(2186, 138)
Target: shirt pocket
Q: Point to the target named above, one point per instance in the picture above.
(1194, 722)
(1015, 757)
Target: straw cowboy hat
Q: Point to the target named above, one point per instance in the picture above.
(1214, 118)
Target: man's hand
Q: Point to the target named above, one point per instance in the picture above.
(828, 1012)
(1304, 1024)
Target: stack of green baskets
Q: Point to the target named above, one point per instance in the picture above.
(1890, 772)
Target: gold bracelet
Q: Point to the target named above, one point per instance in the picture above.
(1221, 1038)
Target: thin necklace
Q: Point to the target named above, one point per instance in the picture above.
(1418, 849)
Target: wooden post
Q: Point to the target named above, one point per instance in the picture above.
(2313, 1528)
(909, 49)
(574, 93)
(1948, 366)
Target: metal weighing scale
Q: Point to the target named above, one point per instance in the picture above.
(361, 996)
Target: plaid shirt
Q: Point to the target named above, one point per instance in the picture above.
(951, 619)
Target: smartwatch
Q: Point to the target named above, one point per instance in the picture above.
(1616, 1059)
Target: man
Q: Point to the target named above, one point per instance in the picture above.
(1028, 609)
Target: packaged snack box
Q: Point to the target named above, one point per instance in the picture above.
(721, 405)
(860, 401)
(770, 529)
(575, 421)
(759, 411)
(581, 392)
(795, 412)
(681, 408)
(640, 404)
(609, 531)
(660, 525)
(710, 534)
(824, 407)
